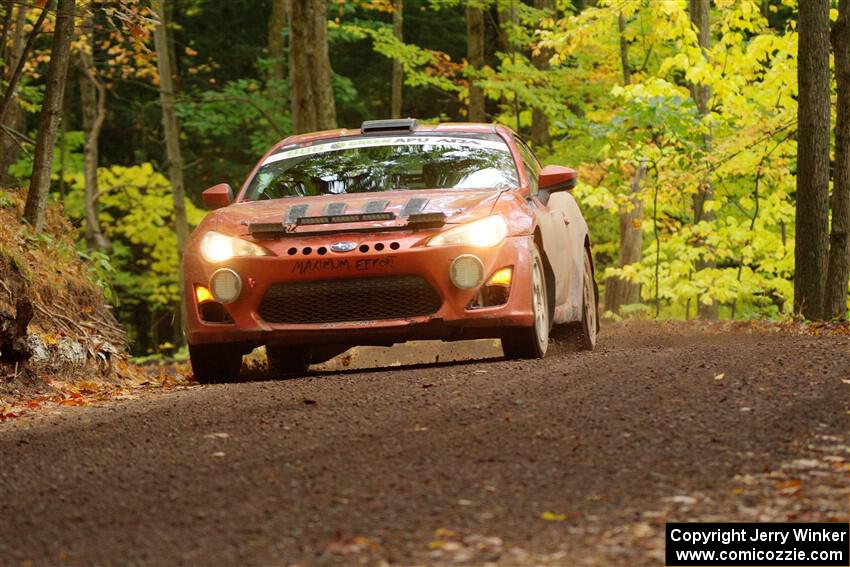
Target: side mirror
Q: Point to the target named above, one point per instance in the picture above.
(218, 196)
(555, 178)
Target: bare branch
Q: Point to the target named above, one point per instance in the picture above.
(19, 68)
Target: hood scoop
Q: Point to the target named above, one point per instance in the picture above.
(294, 213)
(375, 206)
(414, 206)
(273, 230)
(335, 208)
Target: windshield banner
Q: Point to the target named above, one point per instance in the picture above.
(340, 145)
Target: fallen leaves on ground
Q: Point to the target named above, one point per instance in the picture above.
(357, 544)
(94, 392)
(460, 547)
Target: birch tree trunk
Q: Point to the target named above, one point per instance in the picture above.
(51, 113)
(310, 74)
(839, 240)
(475, 57)
(813, 118)
(398, 72)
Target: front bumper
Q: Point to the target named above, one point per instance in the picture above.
(453, 320)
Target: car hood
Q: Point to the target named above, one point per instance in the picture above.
(458, 206)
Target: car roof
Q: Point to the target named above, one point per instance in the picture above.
(444, 127)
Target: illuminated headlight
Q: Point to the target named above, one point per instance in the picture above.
(226, 285)
(217, 247)
(483, 233)
(467, 272)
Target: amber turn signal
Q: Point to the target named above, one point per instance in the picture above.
(203, 294)
(502, 277)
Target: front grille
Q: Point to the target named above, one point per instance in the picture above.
(361, 299)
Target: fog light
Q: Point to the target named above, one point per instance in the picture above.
(467, 271)
(226, 285)
(203, 294)
(502, 277)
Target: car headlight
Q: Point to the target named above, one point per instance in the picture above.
(483, 233)
(217, 247)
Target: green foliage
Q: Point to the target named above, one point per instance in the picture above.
(101, 271)
(418, 63)
(743, 257)
(73, 158)
(136, 215)
(6, 200)
(241, 108)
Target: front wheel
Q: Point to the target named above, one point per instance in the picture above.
(532, 342)
(215, 363)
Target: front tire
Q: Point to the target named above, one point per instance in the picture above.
(532, 342)
(215, 363)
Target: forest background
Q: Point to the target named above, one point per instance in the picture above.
(711, 137)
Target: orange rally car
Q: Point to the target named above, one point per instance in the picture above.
(393, 232)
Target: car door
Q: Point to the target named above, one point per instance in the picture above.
(552, 219)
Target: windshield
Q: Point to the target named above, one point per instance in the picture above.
(369, 165)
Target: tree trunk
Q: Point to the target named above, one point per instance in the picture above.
(508, 23)
(277, 52)
(18, 70)
(16, 312)
(624, 50)
(398, 73)
(172, 142)
(475, 57)
(539, 120)
(813, 117)
(51, 112)
(619, 292)
(310, 74)
(10, 149)
(839, 240)
(504, 17)
(700, 13)
(93, 103)
(8, 12)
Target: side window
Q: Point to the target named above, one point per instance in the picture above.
(532, 166)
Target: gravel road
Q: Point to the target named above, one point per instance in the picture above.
(575, 459)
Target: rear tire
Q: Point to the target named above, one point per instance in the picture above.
(286, 362)
(215, 363)
(533, 341)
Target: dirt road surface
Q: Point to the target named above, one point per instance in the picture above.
(577, 459)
